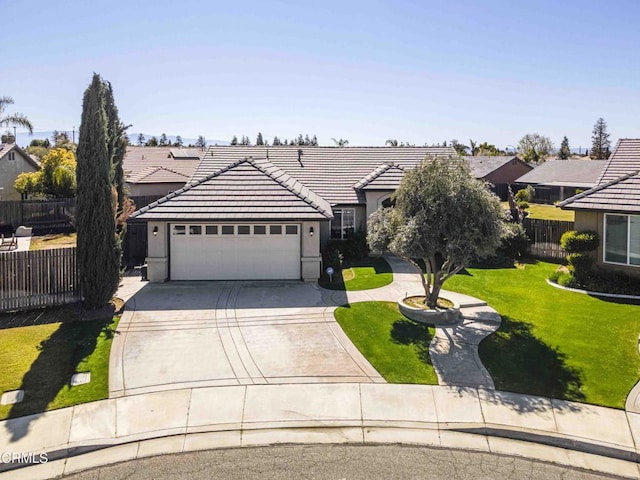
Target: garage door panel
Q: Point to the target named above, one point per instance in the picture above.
(235, 257)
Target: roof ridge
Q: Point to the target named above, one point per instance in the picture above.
(597, 188)
(609, 161)
(283, 178)
(375, 173)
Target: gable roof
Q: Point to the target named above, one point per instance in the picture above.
(481, 166)
(5, 148)
(618, 188)
(158, 175)
(568, 173)
(139, 160)
(386, 177)
(250, 188)
(331, 172)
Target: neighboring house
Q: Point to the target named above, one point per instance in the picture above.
(265, 212)
(500, 171)
(612, 208)
(557, 180)
(13, 162)
(158, 171)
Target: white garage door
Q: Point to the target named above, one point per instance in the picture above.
(235, 252)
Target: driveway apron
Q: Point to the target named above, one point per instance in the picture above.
(191, 334)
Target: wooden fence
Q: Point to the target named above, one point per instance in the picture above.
(545, 237)
(38, 213)
(38, 278)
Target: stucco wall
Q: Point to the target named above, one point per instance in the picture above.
(9, 171)
(595, 221)
(374, 200)
(158, 252)
(152, 189)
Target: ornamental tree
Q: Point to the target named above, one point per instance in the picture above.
(443, 216)
(98, 246)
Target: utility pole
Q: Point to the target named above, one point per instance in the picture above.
(74, 134)
(15, 139)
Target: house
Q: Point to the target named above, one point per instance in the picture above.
(612, 208)
(557, 180)
(13, 162)
(499, 171)
(158, 171)
(266, 212)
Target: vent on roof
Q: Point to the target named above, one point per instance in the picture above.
(300, 157)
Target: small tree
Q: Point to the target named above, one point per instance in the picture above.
(565, 151)
(179, 142)
(444, 216)
(164, 141)
(152, 142)
(141, 140)
(259, 139)
(601, 147)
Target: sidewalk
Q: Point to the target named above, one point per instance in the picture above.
(126, 428)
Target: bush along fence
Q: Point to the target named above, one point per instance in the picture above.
(545, 237)
(38, 278)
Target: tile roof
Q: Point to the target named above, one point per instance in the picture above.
(157, 175)
(251, 189)
(481, 166)
(618, 187)
(386, 177)
(625, 158)
(138, 160)
(568, 173)
(331, 172)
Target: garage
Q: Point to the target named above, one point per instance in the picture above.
(242, 251)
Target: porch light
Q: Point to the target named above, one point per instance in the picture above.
(311, 231)
(155, 231)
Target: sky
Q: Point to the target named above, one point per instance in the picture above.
(417, 71)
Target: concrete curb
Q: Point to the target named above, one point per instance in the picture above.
(109, 431)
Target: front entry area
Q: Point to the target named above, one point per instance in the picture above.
(234, 251)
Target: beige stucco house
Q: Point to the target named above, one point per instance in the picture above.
(13, 162)
(612, 208)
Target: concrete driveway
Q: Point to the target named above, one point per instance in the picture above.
(191, 334)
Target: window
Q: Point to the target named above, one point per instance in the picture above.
(291, 229)
(275, 229)
(343, 223)
(195, 229)
(12, 155)
(259, 230)
(622, 239)
(244, 229)
(211, 229)
(179, 230)
(227, 229)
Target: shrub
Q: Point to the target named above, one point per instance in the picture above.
(332, 256)
(523, 205)
(580, 264)
(525, 195)
(568, 280)
(579, 242)
(514, 243)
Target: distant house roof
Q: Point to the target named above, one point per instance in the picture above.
(618, 187)
(567, 173)
(139, 161)
(481, 166)
(331, 172)
(157, 175)
(251, 189)
(5, 148)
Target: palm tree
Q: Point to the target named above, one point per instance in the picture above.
(16, 119)
(341, 142)
(392, 142)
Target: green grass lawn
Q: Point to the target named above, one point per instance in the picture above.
(361, 275)
(396, 347)
(40, 359)
(547, 212)
(552, 342)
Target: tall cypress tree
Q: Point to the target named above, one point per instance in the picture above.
(98, 253)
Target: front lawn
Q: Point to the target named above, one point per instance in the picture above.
(396, 347)
(41, 358)
(360, 275)
(547, 212)
(552, 342)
